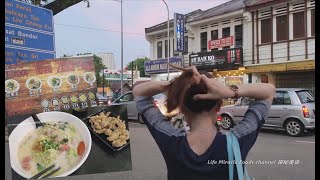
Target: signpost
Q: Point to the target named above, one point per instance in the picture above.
(29, 33)
(179, 24)
(160, 65)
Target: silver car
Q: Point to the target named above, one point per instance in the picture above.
(292, 109)
(128, 100)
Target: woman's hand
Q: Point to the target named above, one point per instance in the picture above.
(196, 78)
(216, 90)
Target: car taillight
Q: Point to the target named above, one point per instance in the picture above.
(219, 118)
(305, 111)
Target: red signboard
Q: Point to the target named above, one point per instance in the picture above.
(219, 43)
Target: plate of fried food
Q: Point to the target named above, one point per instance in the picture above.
(110, 129)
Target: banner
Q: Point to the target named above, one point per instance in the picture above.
(222, 59)
(160, 65)
(50, 85)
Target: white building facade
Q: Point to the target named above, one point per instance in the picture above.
(277, 45)
(108, 60)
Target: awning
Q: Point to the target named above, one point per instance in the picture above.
(282, 67)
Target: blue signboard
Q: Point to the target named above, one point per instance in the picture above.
(160, 65)
(28, 16)
(179, 26)
(29, 39)
(28, 30)
(14, 56)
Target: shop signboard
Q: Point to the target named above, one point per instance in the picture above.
(50, 85)
(233, 80)
(221, 59)
(179, 26)
(160, 65)
(29, 28)
(220, 43)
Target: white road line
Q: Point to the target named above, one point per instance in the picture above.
(306, 142)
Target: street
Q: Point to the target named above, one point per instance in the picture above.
(271, 145)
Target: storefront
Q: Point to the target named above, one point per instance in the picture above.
(157, 69)
(225, 65)
(298, 74)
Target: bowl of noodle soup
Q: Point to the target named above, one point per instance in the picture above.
(64, 140)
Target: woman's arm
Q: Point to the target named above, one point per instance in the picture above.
(150, 88)
(217, 90)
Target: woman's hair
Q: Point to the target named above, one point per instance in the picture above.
(180, 94)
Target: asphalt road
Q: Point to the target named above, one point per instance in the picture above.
(271, 146)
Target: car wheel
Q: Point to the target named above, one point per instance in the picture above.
(294, 128)
(140, 119)
(226, 122)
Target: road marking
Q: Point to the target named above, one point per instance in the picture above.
(306, 142)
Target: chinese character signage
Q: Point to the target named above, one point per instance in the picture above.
(222, 59)
(178, 24)
(29, 34)
(160, 65)
(219, 43)
(50, 85)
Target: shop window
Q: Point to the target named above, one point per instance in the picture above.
(266, 30)
(214, 36)
(298, 25)
(282, 28)
(185, 45)
(312, 22)
(226, 33)
(238, 31)
(166, 48)
(204, 40)
(159, 49)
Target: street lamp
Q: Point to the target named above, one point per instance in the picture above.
(168, 40)
(121, 47)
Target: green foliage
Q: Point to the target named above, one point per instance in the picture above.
(139, 62)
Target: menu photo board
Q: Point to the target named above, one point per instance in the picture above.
(50, 85)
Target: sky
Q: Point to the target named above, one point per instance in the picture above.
(103, 19)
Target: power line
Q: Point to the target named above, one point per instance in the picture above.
(97, 29)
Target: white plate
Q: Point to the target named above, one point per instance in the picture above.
(28, 125)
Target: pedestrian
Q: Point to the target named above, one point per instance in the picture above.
(199, 97)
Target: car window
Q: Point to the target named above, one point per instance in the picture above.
(245, 101)
(281, 98)
(127, 97)
(305, 96)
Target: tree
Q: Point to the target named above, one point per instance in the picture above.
(139, 62)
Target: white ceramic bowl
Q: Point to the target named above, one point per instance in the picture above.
(28, 125)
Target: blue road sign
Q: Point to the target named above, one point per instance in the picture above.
(160, 65)
(13, 55)
(29, 39)
(28, 16)
(179, 26)
(29, 32)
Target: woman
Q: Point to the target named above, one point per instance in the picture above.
(198, 95)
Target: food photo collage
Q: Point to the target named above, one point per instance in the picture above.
(56, 128)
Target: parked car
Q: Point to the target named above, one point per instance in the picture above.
(128, 99)
(102, 100)
(292, 109)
